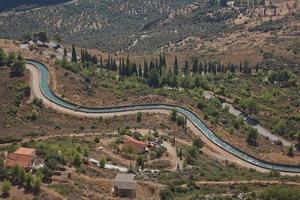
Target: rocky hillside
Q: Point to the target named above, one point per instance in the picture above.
(194, 26)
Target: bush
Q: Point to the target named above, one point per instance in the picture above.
(280, 193)
(97, 139)
(198, 143)
(6, 187)
(251, 136)
(9, 139)
(102, 163)
(33, 114)
(174, 115)
(139, 116)
(166, 194)
(37, 102)
(181, 121)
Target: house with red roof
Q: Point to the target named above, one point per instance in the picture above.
(23, 157)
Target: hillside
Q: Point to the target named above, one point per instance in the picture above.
(147, 26)
(7, 5)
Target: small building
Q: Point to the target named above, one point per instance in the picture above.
(23, 157)
(139, 146)
(124, 186)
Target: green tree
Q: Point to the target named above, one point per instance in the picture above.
(298, 138)
(198, 143)
(186, 68)
(250, 106)
(174, 115)
(140, 162)
(77, 160)
(27, 182)
(97, 139)
(102, 163)
(139, 116)
(21, 176)
(2, 57)
(47, 174)
(74, 54)
(41, 36)
(290, 151)
(18, 67)
(65, 52)
(165, 194)
(15, 173)
(11, 59)
(36, 183)
(193, 151)
(6, 187)
(180, 121)
(153, 78)
(176, 70)
(280, 192)
(252, 136)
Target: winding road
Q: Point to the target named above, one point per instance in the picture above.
(41, 89)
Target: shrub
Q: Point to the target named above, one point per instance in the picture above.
(97, 139)
(198, 143)
(37, 102)
(139, 116)
(174, 115)
(181, 121)
(102, 163)
(280, 193)
(251, 136)
(166, 194)
(6, 187)
(9, 139)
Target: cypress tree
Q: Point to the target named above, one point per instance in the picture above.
(195, 66)
(74, 55)
(146, 69)
(120, 67)
(200, 68)
(186, 68)
(65, 52)
(101, 62)
(176, 72)
(164, 60)
(140, 74)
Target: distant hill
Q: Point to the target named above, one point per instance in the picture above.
(199, 26)
(6, 5)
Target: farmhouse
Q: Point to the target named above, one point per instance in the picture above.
(23, 157)
(124, 185)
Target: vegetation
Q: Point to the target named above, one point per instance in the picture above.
(279, 193)
(139, 116)
(6, 187)
(118, 22)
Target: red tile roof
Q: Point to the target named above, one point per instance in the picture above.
(25, 151)
(22, 157)
(14, 159)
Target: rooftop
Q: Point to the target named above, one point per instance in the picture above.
(14, 159)
(125, 181)
(25, 151)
